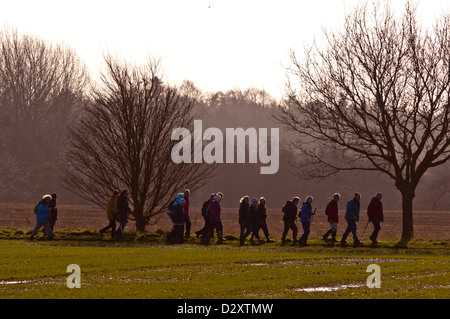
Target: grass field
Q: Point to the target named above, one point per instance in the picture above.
(38, 270)
(143, 266)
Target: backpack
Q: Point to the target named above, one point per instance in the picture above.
(36, 208)
(284, 209)
(171, 215)
(326, 210)
(205, 208)
(170, 207)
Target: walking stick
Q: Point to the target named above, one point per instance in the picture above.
(364, 231)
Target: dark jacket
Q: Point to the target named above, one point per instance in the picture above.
(254, 216)
(178, 214)
(244, 214)
(375, 210)
(262, 214)
(53, 211)
(333, 211)
(122, 208)
(290, 212)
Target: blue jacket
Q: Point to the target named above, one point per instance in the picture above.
(43, 213)
(352, 209)
(306, 213)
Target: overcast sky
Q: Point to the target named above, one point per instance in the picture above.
(218, 44)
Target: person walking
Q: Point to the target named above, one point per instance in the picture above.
(254, 220)
(290, 215)
(333, 218)
(375, 214)
(177, 231)
(352, 217)
(262, 219)
(53, 211)
(123, 211)
(205, 215)
(305, 215)
(244, 219)
(187, 220)
(214, 219)
(220, 223)
(111, 210)
(42, 218)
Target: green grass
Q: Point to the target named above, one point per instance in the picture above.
(142, 266)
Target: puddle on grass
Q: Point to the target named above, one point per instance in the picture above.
(15, 282)
(325, 288)
(35, 282)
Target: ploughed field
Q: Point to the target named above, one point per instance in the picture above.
(428, 225)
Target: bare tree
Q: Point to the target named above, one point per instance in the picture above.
(377, 98)
(41, 87)
(124, 141)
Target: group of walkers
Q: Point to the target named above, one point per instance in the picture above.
(374, 213)
(252, 218)
(179, 213)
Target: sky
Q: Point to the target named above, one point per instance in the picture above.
(217, 44)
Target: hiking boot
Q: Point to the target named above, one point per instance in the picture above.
(268, 240)
(343, 242)
(356, 243)
(325, 237)
(374, 243)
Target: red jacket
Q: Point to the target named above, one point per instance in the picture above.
(332, 208)
(375, 210)
(186, 206)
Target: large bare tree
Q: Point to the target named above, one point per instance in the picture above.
(124, 141)
(41, 87)
(376, 97)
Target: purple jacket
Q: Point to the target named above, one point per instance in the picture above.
(214, 211)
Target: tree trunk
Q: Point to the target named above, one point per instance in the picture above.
(140, 220)
(407, 220)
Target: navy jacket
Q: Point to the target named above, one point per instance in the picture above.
(352, 209)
